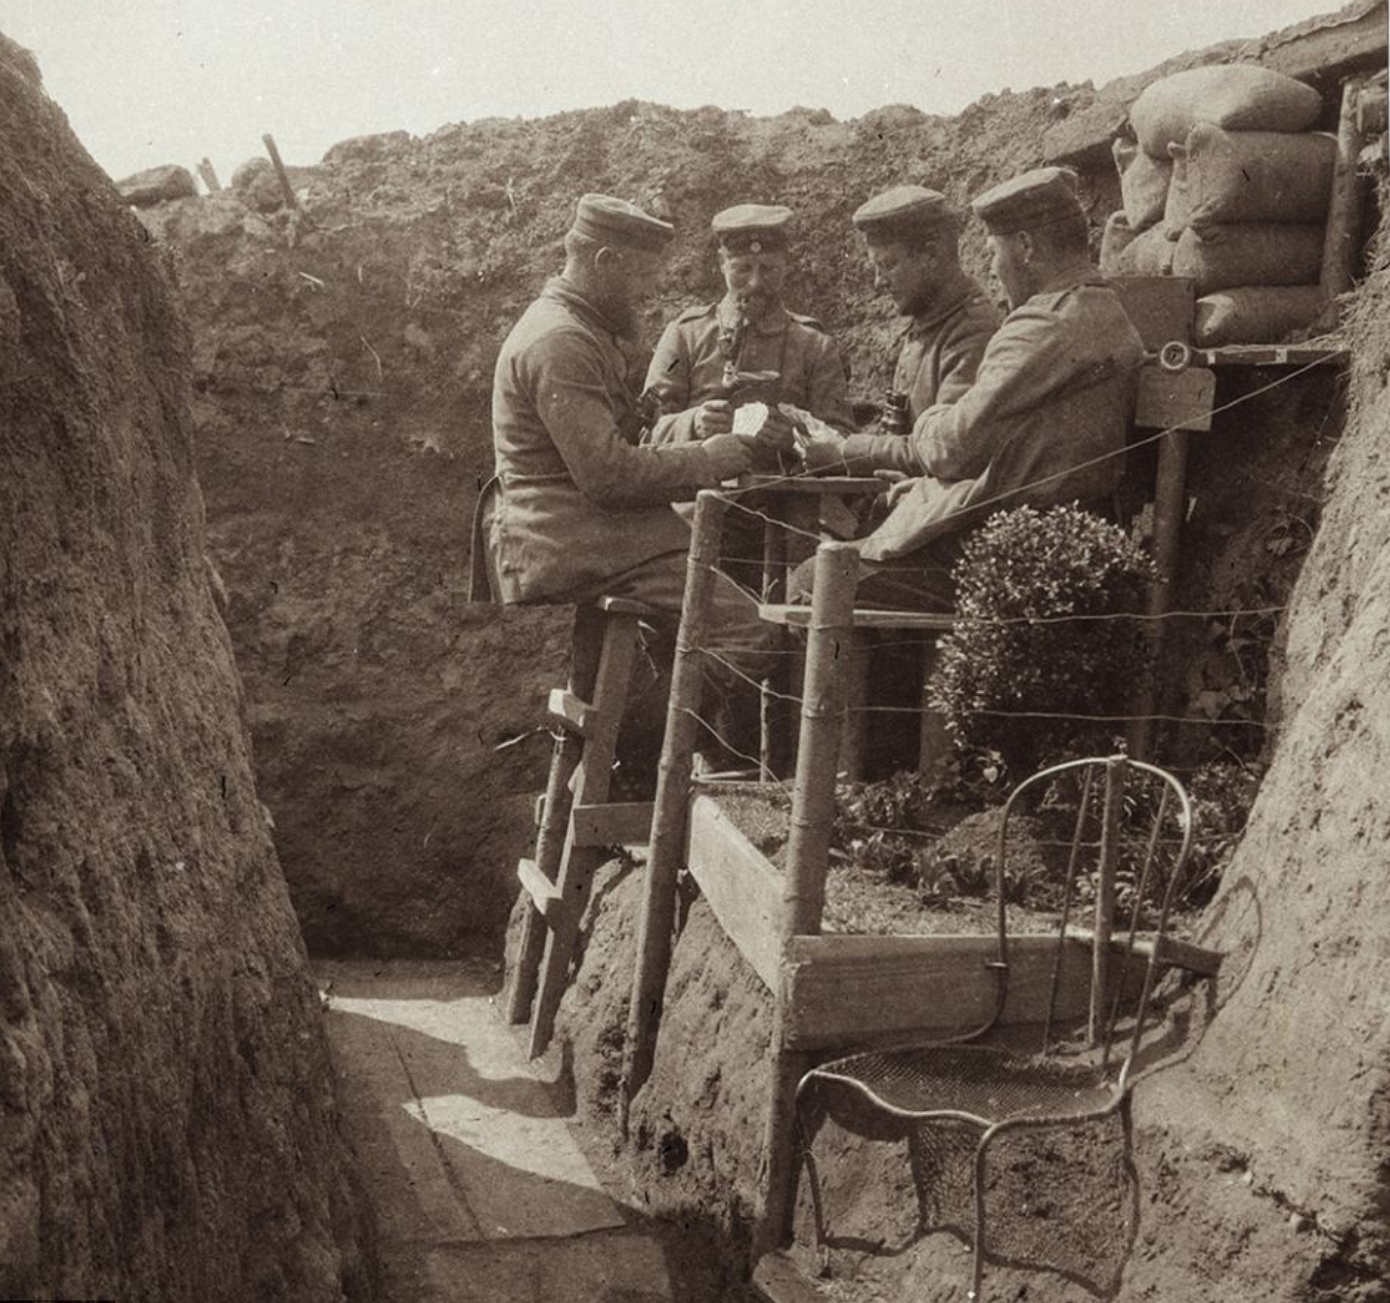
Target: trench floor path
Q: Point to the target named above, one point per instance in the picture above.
(470, 1157)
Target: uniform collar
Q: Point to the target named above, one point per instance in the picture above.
(564, 291)
(773, 324)
(1080, 274)
(950, 303)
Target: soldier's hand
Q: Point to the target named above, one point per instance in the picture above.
(715, 416)
(823, 455)
(898, 490)
(732, 454)
(778, 434)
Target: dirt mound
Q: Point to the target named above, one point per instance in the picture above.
(167, 1126)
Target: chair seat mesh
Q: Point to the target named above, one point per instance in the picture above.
(990, 1084)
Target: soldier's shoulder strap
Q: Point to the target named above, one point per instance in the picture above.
(804, 319)
(695, 313)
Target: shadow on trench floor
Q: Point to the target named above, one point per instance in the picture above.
(472, 1162)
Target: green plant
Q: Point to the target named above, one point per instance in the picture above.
(1222, 794)
(1037, 653)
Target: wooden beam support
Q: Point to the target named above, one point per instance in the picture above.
(658, 917)
(1342, 244)
(627, 823)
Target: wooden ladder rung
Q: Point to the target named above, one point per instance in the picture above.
(570, 712)
(613, 824)
(544, 893)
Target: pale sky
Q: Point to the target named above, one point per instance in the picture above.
(146, 82)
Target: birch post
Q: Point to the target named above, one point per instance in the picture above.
(803, 886)
(672, 803)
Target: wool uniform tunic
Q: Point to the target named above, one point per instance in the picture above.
(1044, 423)
(688, 367)
(579, 500)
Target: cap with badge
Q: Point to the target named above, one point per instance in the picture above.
(905, 209)
(1042, 197)
(752, 228)
(617, 222)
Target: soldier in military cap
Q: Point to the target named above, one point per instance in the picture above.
(579, 507)
(1044, 422)
(912, 236)
(747, 347)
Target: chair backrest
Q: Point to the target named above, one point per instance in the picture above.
(1113, 834)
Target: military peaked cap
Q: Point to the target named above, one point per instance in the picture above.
(903, 209)
(1043, 197)
(752, 228)
(617, 222)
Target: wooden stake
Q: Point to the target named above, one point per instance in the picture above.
(672, 802)
(808, 851)
(1344, 212)
(291, 199)
(209, 177)
(828, 658)
(1170, 503)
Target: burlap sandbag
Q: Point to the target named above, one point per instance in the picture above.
(1237, 96)
(1117, 236)
(1256, 315)
(1250, 176)
(1143, 183)
(1251, 253)
(1150, 253)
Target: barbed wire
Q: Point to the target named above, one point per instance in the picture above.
(1074, 717)
(733, 495)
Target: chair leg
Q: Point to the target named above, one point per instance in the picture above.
(977, 1264)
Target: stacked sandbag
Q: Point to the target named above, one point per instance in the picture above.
(1244, 198)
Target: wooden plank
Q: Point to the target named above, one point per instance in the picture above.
(778, 1279)
(542, 891)
(1272, 355)
(1175, 400)
(742, 888)
(846, 989)
(570, 712)
(864, 617)
(1330, 45)
(1326, 47)
(627, 823)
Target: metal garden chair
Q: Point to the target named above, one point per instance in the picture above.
(1130, 840)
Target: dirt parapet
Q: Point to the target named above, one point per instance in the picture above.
(167, 1125)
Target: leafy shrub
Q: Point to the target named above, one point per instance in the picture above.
(1027, 648)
